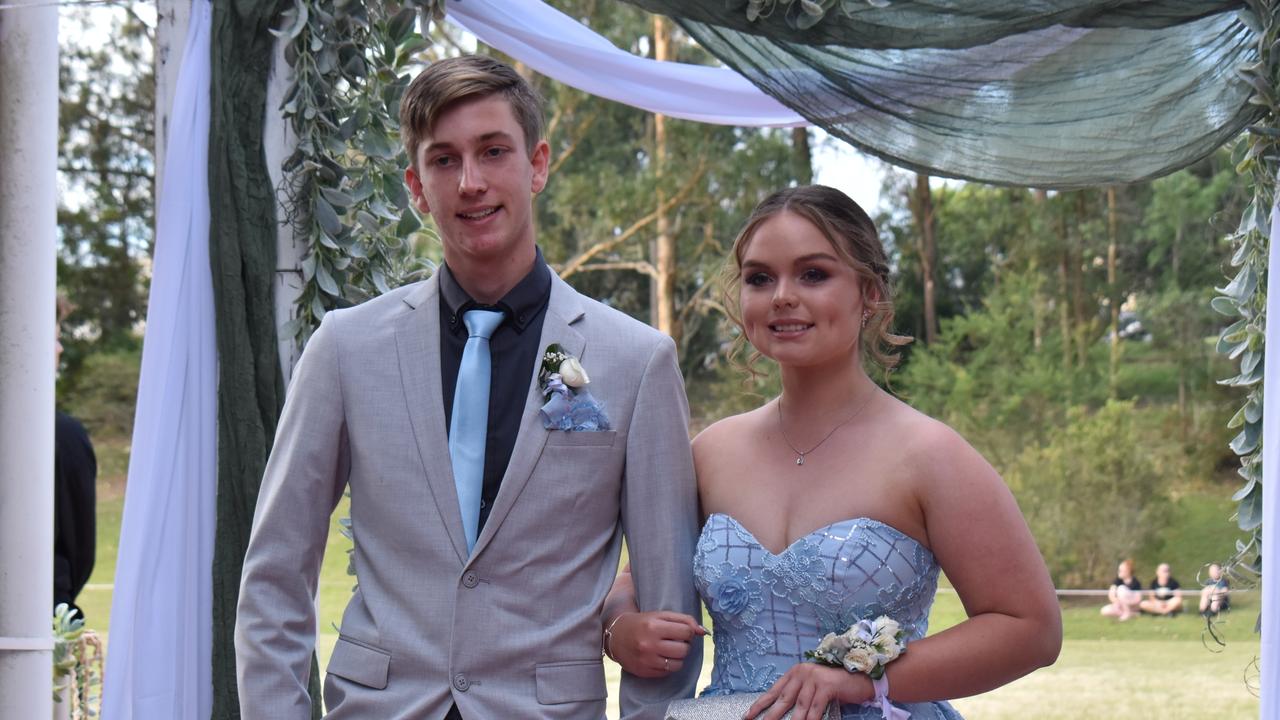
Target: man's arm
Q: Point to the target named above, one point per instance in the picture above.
(304, 479)
(660, 520)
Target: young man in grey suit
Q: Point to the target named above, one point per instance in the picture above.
(481, 577)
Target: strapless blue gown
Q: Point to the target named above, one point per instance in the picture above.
(769, 609)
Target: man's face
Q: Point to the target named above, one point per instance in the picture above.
(474, 175)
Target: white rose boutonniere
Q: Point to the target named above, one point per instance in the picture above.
(569, 406)
(572, 373)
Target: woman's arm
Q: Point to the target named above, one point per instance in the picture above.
(645, 644)
(982, 542)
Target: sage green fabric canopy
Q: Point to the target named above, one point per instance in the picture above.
(1047, 93)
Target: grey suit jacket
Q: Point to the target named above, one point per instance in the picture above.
(513, 630)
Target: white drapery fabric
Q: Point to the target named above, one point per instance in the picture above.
(560, 47)
(159, 651)
(1269, 663)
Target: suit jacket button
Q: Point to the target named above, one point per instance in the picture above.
(461, 682)
(470, 579)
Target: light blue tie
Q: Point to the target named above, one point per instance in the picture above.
(469, 426)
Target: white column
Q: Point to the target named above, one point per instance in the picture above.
(1270, 663)
(172, 19)
(28, 217)
(278, 142)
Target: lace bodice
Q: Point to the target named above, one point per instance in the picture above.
(769, 609)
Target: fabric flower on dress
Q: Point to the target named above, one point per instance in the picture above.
(735, 595)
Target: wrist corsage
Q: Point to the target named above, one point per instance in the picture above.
(866, 647)
(569, 405)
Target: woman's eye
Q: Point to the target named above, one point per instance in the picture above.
(813, 275)
(757, 279)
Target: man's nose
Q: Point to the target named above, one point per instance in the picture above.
(472, 180)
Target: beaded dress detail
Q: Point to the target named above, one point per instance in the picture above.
(769, 609)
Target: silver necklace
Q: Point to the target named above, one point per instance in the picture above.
(800, 454)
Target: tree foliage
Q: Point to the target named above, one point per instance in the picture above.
(106, 176)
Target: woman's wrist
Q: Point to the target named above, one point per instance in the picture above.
(857, 689)
(606, 638)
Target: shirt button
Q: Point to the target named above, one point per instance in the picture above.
(470, 579)
(461, 682)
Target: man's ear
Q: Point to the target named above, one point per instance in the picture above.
(414, 184)
(541, 160)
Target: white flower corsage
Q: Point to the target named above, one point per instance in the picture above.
(866, 647)
(569, 405)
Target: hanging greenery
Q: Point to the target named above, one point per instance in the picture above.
(1244, 297)
(345, 193)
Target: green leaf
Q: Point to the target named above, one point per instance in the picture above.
(1253, 410)
(409, 222)
(380, 281)
(325, 280)
(1249, 514)
(1249, 361)
(1245, 442)
(327, 217)
(1225, 306)
(309, 267)
(1229, 336)
(368, 222)
(317, 307)
(337, 197)
(401, 26)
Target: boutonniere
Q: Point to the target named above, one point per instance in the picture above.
(569, 404)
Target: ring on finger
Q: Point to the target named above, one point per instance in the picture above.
(666, 663)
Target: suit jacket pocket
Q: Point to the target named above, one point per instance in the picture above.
(571, 681)
(360, 663)
(597, 438)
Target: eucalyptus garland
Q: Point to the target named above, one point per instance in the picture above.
(345, 193)
(1244, 298)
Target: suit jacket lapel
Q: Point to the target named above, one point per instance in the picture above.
(418, 348)
(563, 309)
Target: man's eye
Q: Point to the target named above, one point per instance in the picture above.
(442, 161)
(495, 151)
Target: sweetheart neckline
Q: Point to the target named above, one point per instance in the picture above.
(815, 531)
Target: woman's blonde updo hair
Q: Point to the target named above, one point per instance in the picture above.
(853, 236)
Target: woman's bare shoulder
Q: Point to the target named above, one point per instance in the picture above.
(723, 443)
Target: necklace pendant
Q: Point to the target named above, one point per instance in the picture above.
(800, 459)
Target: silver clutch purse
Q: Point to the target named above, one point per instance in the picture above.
(727, 707)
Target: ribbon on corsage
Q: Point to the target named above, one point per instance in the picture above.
(866, 647)
(570, 406)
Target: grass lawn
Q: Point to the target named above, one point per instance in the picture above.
(1107, 669)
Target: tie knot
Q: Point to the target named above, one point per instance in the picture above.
(482, 323)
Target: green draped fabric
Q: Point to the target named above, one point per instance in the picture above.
(242, 237)
(1047, 93)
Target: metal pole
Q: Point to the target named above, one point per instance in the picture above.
(28, 216)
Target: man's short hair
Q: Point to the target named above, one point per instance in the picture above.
(451, 80)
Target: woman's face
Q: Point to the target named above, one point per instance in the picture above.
(1123, 570)
(801, 303)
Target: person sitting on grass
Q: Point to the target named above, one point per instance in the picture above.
(1125, 594)
(1164, 598)
(1215, 596)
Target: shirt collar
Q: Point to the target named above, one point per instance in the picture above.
(521, 304)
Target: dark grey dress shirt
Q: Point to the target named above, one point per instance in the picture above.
(514, 351)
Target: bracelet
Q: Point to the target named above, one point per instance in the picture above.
(881, 700)
(607, 639)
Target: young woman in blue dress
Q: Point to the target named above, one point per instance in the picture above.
(837, 502)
